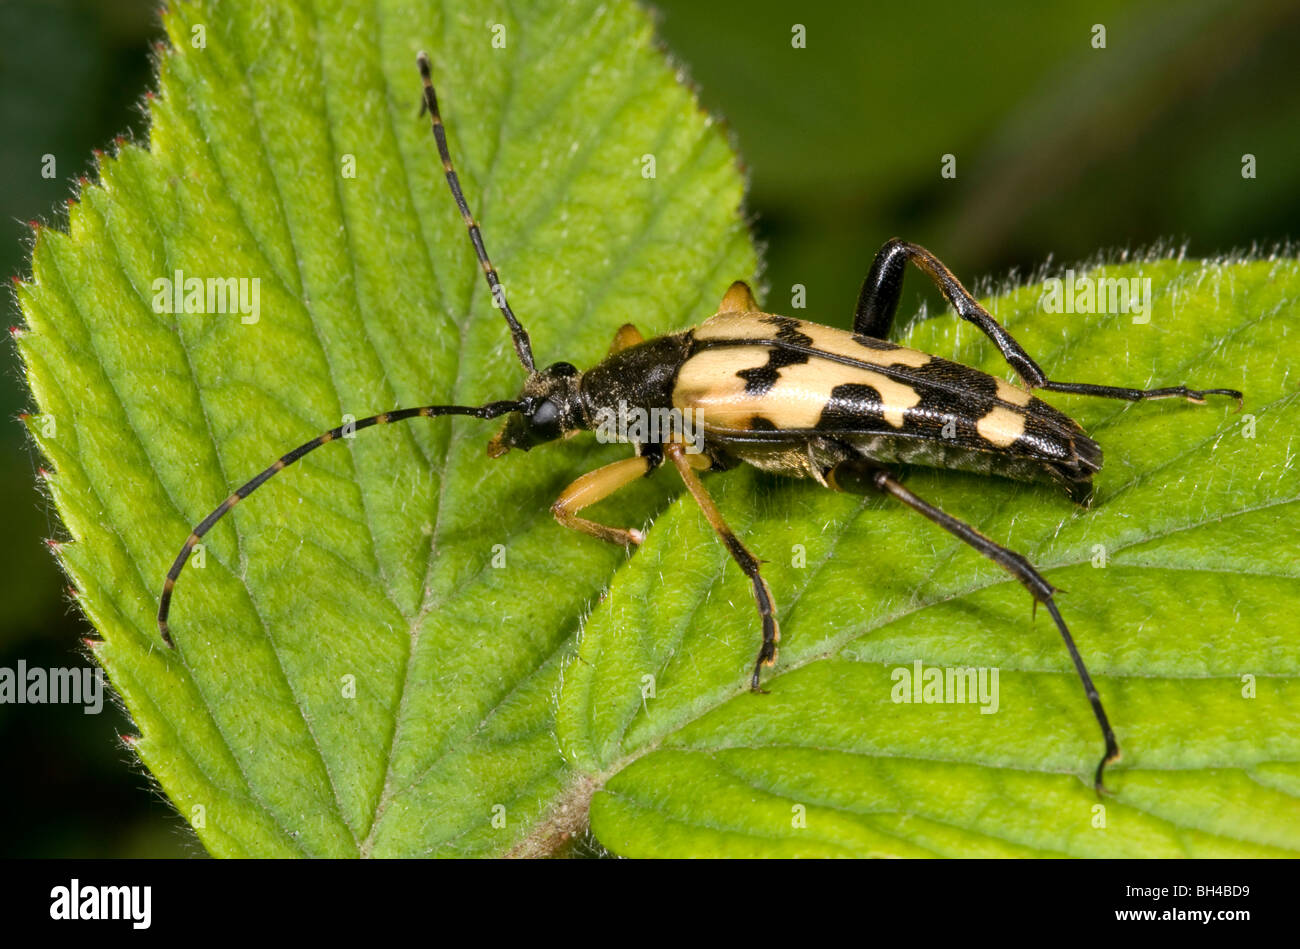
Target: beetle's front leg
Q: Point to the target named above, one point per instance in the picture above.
(595, 486)
(746, 561)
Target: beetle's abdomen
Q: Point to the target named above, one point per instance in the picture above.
(756, 380)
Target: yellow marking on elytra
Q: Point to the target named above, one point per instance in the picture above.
(730, 324)
(709, 384)
(1001, 426)
(1013, 394)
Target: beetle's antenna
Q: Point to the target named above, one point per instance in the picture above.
(491, 410)
(430, 104)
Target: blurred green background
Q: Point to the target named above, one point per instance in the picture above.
(1062, 150)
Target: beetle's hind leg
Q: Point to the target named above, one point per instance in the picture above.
(884, 285)
(1140, 395)
(862, 477)
(744, 559)
(878, 302)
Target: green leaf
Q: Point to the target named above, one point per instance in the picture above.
(1188, 627)
(356, 674)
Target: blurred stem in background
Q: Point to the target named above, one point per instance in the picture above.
(1061, 150)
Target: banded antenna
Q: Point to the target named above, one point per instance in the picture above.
(491, 410)
(430, 104)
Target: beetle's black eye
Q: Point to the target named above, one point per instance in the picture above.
(546, 416)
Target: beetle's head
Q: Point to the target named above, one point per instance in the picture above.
(550, 408)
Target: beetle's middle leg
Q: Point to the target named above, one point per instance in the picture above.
(744, 559)
(883, 287)
(859, 477)
(627, 335)
(595, 486)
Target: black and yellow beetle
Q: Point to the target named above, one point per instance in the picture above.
(790, 397)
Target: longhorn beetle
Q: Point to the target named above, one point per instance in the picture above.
(791, 397)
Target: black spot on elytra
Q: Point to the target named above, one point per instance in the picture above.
(870, 342)
(761, 379)
(962, 384)
(849, 405)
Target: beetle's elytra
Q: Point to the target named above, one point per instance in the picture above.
(790, 397)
